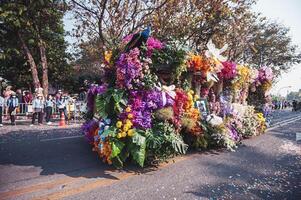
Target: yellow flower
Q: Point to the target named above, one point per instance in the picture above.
(125, 128)
(129, 122)
(119, 124)
(131, 132)
(130, 116)
(196, 97)
(123, 134)
(191, 92)
(119, 135)
(108, 56)
(128, 109)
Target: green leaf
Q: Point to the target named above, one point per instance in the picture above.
(138, 154)
(110, 132)
(137, 148)
(124, 154)
(117, 162)
(101, 107)
(117, 147)
(117, 95)
(138, 139)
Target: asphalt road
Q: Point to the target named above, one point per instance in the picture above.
(52, 163)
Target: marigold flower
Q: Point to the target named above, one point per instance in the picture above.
(123, 134)
(131, 132)
(125, 128)
(130, 116)
(128, 109)
(119, 124)
(128, 122)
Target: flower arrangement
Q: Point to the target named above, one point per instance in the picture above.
(229, 71)
(129, 69)
(146, 118)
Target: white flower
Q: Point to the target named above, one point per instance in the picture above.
(214, 120)
(214, 52)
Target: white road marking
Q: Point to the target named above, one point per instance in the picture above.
(277, 125)
(298, 136)
(61, 138)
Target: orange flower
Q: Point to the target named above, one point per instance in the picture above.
(198, 63)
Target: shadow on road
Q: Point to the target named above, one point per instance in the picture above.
(72, 157)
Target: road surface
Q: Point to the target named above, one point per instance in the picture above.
(52, 163)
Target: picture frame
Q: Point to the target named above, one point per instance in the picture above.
(203, 106)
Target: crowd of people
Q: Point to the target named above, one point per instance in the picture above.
(13, 103)
(283, 104)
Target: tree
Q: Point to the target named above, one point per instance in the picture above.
(252, 38)
(33, 27)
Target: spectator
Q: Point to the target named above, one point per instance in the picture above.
(38, 105)
(19, 96)
(49, 107)
(7, 93)
(82, 94)
(27, 99)
(58, 95)
(12, 104)
(294, 105)
(1, 109)
(62, 105)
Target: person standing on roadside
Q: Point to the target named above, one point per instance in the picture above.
(12, 104)
(38, 106)
(62, 103)
(49, 105)
(1, 109)
(21, 105)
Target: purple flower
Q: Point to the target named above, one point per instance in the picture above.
(88, 129)
(233, 133)
(129, 69)
(143, 103)
(265, 74)
(92, 92)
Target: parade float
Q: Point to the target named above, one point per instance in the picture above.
(159, 99)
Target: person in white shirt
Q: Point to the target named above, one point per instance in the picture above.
(38, 106)
(1, 109)
(49, 105)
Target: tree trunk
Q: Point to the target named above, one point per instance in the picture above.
(44, 67)
(33, 66)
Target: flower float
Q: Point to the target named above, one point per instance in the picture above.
(155, 105)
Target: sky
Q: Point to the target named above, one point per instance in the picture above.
(287, 12)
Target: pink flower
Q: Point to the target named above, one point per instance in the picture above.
(229, 71)
(151, 44)
(127, 38)
(265, 74)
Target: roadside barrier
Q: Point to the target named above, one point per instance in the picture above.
(75, 111)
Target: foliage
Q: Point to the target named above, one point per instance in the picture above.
(251, 37)
(163, 142)
(171, 59)
(111, 103)
(22, 28)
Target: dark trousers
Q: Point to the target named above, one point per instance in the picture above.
(40, 117)
(63, 110)
(12, 116)
(1, 110)
(48, 113)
